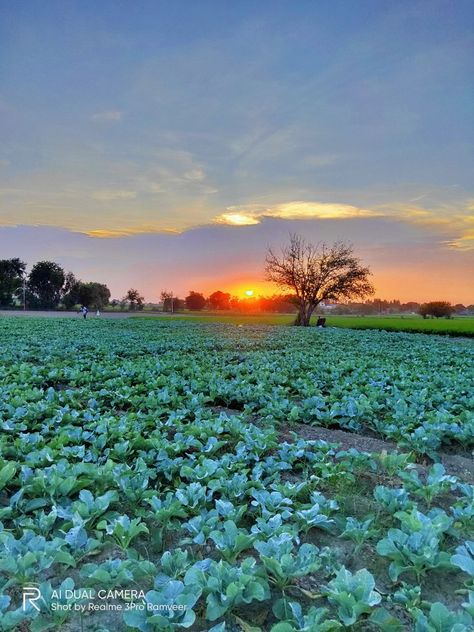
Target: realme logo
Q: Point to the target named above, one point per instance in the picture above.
(31, 594)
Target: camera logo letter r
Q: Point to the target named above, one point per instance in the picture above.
(31, 594)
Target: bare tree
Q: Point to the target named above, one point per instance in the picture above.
(317, 273)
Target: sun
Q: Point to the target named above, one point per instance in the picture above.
(248, 293)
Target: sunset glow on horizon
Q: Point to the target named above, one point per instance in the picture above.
(158, 145)
(243, 291)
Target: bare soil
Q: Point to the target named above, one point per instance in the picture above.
(456, 465)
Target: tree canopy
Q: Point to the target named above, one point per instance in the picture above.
(437, 309)
(219, 300)
(195, 301)
(12, 272)
(93, 295)
(45, 283)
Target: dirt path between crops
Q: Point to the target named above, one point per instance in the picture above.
(457, 465)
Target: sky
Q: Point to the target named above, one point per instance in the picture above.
(166, 145)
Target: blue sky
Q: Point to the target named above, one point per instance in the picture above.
(125, 118)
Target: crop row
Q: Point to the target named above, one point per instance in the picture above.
(119, 468)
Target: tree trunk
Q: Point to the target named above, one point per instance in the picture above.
(304, 314)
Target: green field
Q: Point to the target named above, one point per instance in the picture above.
(183, 461)
(457, 326)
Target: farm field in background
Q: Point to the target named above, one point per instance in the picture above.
(456, 326)
(256, 478)
(460, 326)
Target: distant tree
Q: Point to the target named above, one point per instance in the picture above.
(342, 309)
(459, 308)
(219, 300)
(234, 302)
(45, 283)
(70, 291)
(277, 303)
(166, 297)
(134, 299)
(12, 272)
(424, 310)
(195, 301)
(317, 273)
(93, 295)
(411, 306)
(436, 309)
(168, 300)
(249, 304)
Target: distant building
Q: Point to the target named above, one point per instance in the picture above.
(329, 305)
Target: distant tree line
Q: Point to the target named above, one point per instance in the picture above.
(285, 304)
(435, 309)
(224, 301)
(48, 286)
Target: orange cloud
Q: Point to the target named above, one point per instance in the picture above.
(105, 233)
(464, 242)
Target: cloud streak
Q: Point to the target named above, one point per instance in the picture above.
(251, 214)
(105, 233)
(111, 116)
(110, 194)
(410, 262)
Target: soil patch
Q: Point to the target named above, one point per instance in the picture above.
(455, 465)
